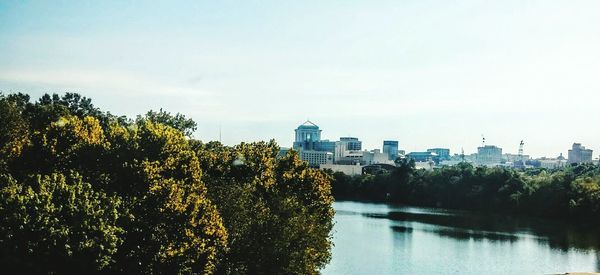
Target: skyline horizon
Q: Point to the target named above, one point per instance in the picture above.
(371, 145)
(452, 153)
(367, 145)
(425, 73)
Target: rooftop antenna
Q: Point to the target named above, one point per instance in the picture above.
(482, 141)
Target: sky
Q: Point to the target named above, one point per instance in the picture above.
(425, 73)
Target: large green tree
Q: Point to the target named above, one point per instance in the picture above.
(281, 220)
(84, 191)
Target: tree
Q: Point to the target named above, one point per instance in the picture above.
(177, 121)
(14, 130)
(148, 169)
(57, 224)
(282, 215)
(175, 228)
(83, 191)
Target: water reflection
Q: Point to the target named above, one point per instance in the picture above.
(388, 239)
(468, 225)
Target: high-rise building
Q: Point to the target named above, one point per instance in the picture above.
(489, 155)
(324, 145)
(312, 148)
(306, 135)
(352, 143)
(390, 147)
(578, 154)
(346, 147)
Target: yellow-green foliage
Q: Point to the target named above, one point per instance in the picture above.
(86, 192)
(191, 228)
(13, 131)
(165, 224)
(67, 135)
(281, 220)
(58, 222)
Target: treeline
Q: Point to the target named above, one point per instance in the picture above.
(83, 191)
(572, 192)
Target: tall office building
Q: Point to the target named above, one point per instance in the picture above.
(306, 135)
(578, 154)
(390, 147)
(352, 143)
(312, 148)
(489, 155)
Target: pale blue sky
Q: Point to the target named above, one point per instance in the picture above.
(426, 73)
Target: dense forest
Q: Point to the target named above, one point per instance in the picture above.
(572, 192)
(83, 191)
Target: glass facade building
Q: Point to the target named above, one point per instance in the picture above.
(352, 143)
(306, 135)
(390, 147)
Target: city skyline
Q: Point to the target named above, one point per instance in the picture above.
(428, 73)
(452, 153)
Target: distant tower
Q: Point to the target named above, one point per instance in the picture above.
(307, 135)
(521, 150)
(462, 154)
(482, 141)
(519, 163)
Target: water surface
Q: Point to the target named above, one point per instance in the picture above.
(387, 239)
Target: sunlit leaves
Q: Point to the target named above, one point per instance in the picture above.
(85, 191)
(58, 223)
(281, 216)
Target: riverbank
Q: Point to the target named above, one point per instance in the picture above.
(570, 193)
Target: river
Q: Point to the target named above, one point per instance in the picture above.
(387, 239)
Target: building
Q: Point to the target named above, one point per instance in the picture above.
(349, 157)
(578, 154)
(316, 158)
(515, 157)
(312, 148)
(344, 146)
(375, 157)
(390, 147)
(306, 135)
(350, 170)
(442, 153)
(422, 156)
(352, 143)
(552, 163)
(324, 145)
(489, 155)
